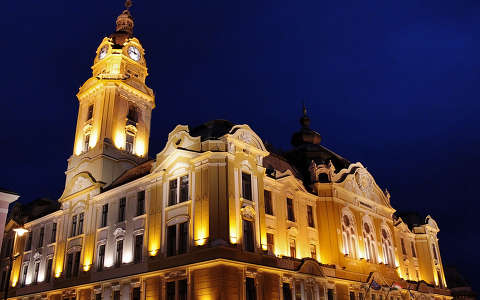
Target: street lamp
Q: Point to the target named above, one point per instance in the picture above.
(20, 231)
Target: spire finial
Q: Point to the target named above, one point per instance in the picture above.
(304, 120)
(125, 20)
(304, 108)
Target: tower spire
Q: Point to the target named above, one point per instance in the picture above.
(125, 20)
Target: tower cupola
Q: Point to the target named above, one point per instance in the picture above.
(125, 20)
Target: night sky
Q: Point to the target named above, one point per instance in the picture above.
(392, 84)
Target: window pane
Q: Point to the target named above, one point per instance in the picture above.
(104, 215)
(138, 248)
(311, 222)
(248, 236)
(80, 223)
(270, 244)
(76, 264)
(69, 265)
(182, 289)
(184, 188)
(287, 291)
(246, 186)
(119, 253)
(172, 193)
(140, 203)
(290, 212)
(136, 293)
(183, 238)
(267, 195)
(171, 290)
(171, 240)
(251, 293)
(121, 209)
(40, 238)
(48, 273)
(101, 257)
(116, 295)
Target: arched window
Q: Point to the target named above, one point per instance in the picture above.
(387, 247)
(369, 242)
(349, 236)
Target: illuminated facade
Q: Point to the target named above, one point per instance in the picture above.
(216, 215)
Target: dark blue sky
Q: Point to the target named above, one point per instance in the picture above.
(392, 84)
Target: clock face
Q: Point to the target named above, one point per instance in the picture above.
(103, 52)
(134, 53)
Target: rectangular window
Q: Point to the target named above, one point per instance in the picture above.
(360, 296)
(171, 290)
(373, 296)
(136, 293)
(298, 291)
(40, 238)
(172, 192)
(293, 249)
(248, 238)
(137, 255)
(270, 244)
(414, 254)
(76, 264)
(404, 251)
(35, 274)
(116, 295)
(311, 222)
(172, 240)
(80, 223)
(182, 238)
(313, 251)
(183, 189)
(119, 253)
(98, 296)
(287, 291)
(290, 212)
(141, 203)
(250, 291)
(90, 112)
(69, 265)
(121, 209)
(28, 245)
(267, 196)
(434, 249)
(104, 215)
(48, 273)
(53, 237)
(246, 186)
(101, 257)
(86, 142)
(182, 289)
(330, 294)
(74, 226)
(25, 272)
(352, 296)
(129, 141)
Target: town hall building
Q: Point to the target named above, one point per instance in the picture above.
(216, 214)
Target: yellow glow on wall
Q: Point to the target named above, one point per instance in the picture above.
(233, 233)
(140, 147)
(119, 140)
(115, 68)
(153, 246)
(58, 270)
(201, 237)
(153, 252)
(86, 268)
(14, 282)
(78, 146)
(93, 139)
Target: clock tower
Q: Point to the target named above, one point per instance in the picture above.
(115, 105)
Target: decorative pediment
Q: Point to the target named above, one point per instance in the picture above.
(431, 222)
(245, 134)
(178, 219)
(310, 266)
(79, 183)
(75, 248)
(38, 255)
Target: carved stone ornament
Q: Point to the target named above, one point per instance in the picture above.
(37, 255)
(176, 274)
(231, 148)
(248, 213)
(364, 181)
(119, 232)
(245, 137)
(80, 184)
(293, 231)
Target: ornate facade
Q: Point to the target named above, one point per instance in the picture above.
(216, 214)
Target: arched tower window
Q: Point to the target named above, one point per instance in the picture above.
(132, 115)
(387, 247)
(349, 235)
(130, 134)
(369, 242)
